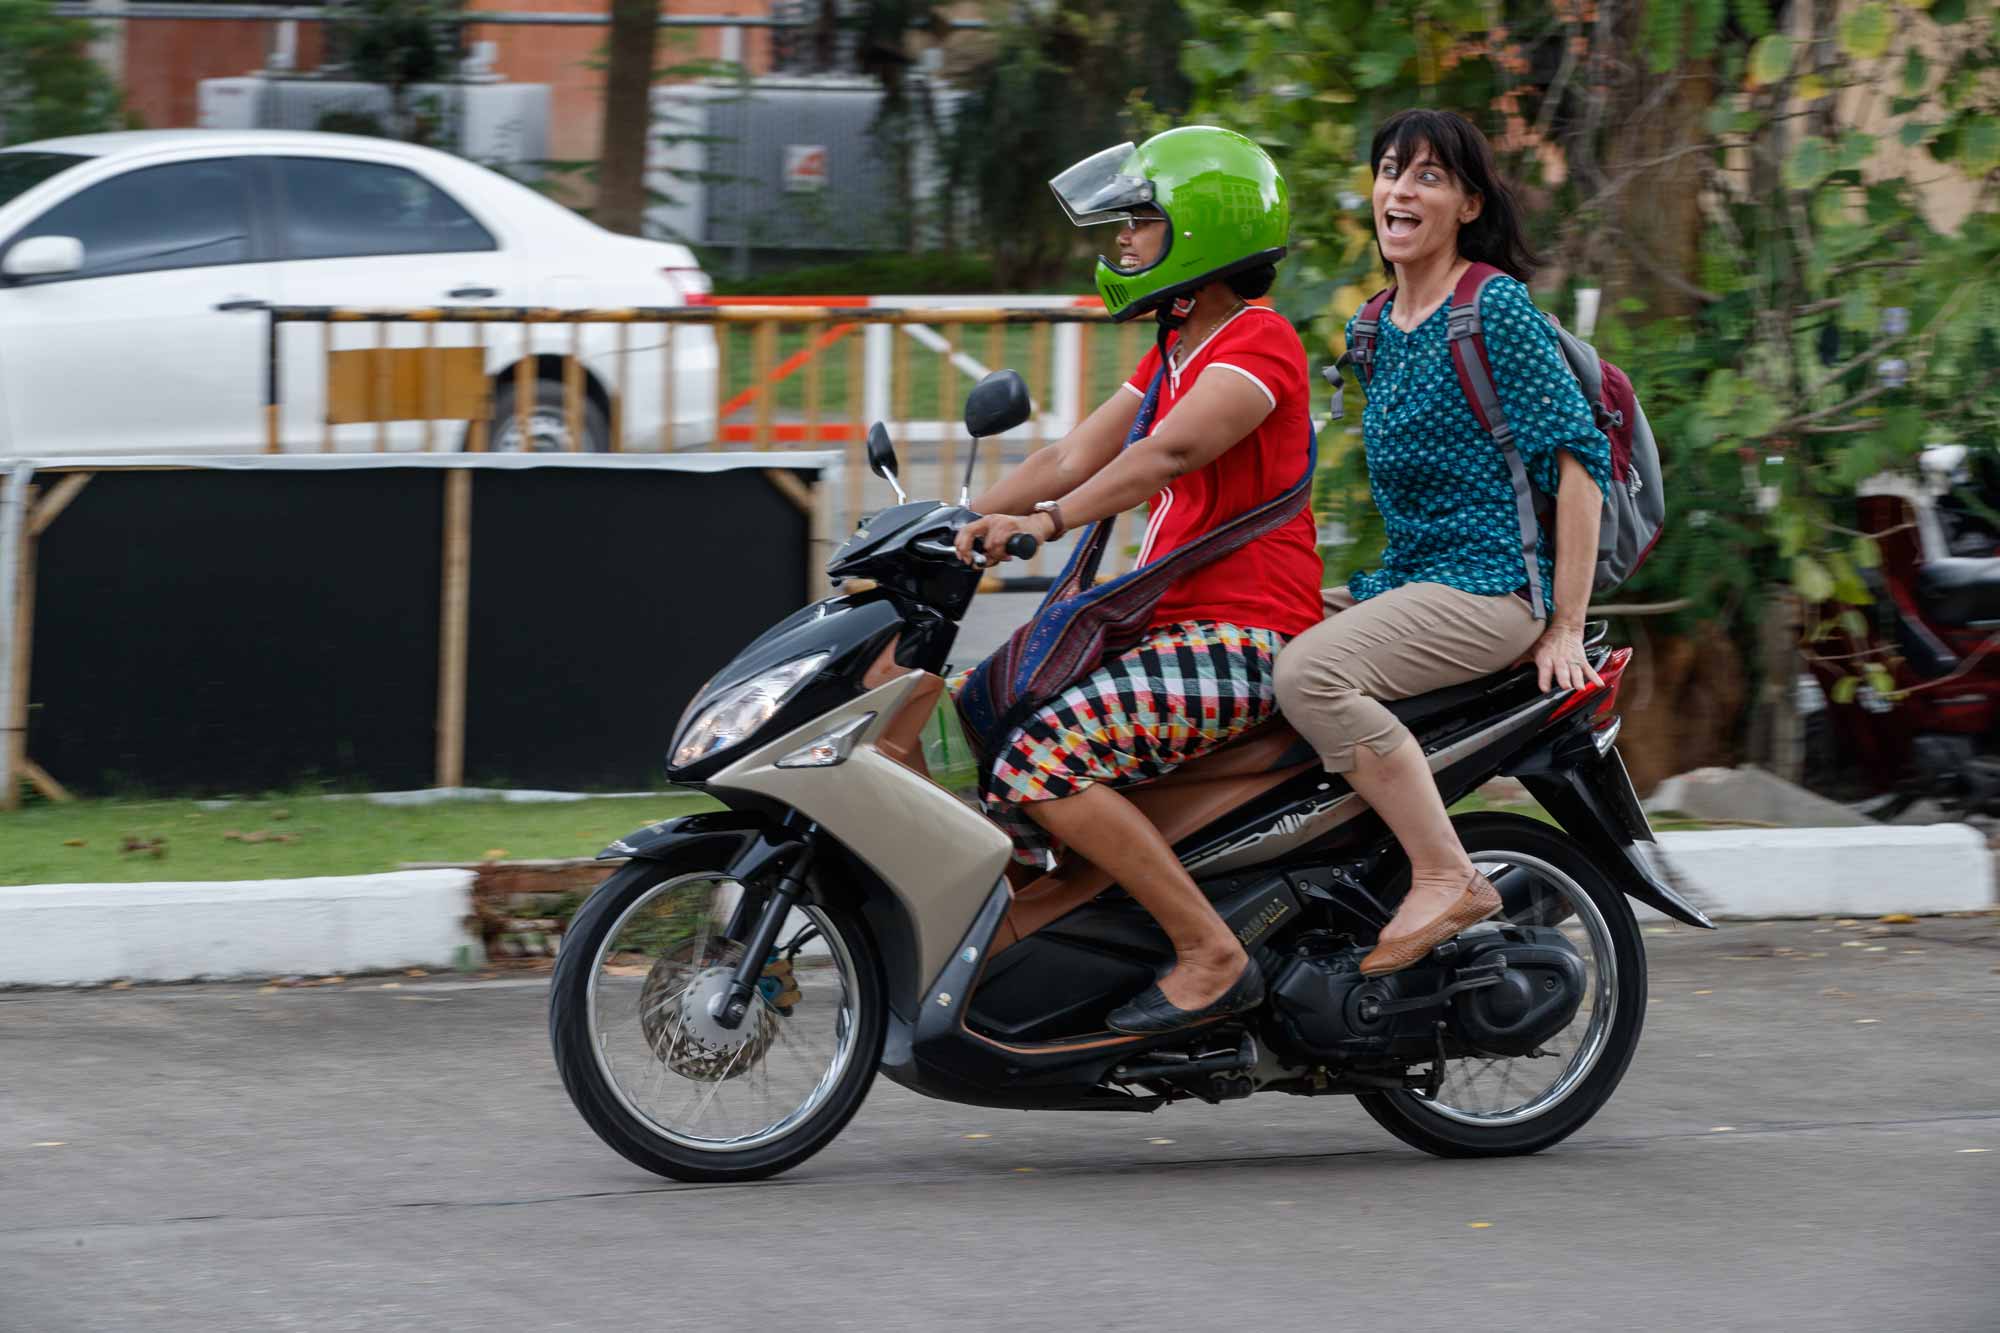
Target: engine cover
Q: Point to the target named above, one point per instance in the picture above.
(1539, 990)
(1327, 1010)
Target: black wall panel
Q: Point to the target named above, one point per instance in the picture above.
(601, 601)
(229, 631)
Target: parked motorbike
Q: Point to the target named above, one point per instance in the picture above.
(1935, 623)
(723, 1001)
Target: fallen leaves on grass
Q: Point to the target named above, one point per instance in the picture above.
(495, 854)
(235, 835)
(153, 847)
(74, 842)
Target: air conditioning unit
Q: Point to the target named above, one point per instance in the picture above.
(783, 163)
(503, 125)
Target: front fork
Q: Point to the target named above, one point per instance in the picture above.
(730, 1007)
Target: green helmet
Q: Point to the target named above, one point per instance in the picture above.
(1224, 201)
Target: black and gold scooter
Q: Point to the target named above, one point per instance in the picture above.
(723, 1001)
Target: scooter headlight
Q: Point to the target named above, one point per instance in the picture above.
(733, 716)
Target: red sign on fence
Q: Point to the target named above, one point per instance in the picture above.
(805, 168)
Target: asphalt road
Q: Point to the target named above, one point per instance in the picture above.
(1809, 1138)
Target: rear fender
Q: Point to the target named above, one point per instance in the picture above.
(1591, 796)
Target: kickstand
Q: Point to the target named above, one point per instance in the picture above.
(1435, 1084)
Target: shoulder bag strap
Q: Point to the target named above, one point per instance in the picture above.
(1475, 379)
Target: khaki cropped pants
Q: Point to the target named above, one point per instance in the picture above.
(1332, 680)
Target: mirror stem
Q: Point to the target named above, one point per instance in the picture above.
(965, 487)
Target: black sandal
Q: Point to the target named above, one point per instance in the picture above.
(1151, 1012)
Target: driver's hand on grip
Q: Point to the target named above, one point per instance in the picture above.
(995, 539)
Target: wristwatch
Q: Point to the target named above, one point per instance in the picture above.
(1053, 508)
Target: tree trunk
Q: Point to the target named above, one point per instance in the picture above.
(628, 115)
(1658, 212)
(1682, 700)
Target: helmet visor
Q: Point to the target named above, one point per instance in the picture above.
(1097, 190)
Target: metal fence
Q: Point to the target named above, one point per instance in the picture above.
(721, 374)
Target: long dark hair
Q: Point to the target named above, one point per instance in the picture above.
(1455, 143)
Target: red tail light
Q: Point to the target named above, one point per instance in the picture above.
(1602, 698)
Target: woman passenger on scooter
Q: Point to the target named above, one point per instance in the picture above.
(1452, 600)
(1202, 220)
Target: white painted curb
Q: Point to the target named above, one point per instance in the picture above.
(82, 934)
(79, 934)
(1792, 872)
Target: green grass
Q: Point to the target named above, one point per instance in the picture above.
(1113, 352)
(351, 837)
(1662, 823)
(329, 836)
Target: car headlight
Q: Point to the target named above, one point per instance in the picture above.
(735, 714)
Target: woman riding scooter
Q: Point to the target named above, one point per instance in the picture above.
(1454, 598)
(1202, 220)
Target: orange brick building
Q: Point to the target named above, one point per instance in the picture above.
(165, 60)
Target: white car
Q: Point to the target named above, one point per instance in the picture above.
(135, 270)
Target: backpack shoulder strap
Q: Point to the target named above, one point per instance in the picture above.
(1360, 351)
(1467, 341)
(1367, 327)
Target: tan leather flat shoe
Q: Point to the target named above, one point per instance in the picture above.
(1393, 953)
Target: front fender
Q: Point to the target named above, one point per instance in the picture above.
(725, 833)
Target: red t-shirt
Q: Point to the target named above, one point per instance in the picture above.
(1272, 583)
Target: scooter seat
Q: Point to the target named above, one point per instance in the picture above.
(1419, 709)
(1274, 745)
(1960, 590)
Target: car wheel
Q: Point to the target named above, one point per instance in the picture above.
(548, 422)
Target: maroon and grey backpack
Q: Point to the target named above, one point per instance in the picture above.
(1635, 505)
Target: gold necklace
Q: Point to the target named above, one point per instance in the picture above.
(1188, 342)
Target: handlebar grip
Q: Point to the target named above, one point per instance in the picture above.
(1022, 545)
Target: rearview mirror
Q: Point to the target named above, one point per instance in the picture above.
(881, 453)
(997, 404)
(44, 257)
(882, 458)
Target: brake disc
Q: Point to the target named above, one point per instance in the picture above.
(682, 1033)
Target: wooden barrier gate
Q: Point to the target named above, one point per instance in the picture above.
(786, 373)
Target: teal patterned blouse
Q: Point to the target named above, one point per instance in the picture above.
(1438, 479)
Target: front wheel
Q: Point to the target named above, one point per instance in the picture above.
(1503, 1106)
(665, 1084)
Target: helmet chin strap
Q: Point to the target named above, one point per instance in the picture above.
(1171, 316)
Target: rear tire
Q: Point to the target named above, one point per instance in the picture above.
(574, 1035)
(1415, 1121)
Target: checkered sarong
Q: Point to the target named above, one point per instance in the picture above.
(1185, 690)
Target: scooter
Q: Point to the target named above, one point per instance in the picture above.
(1935, 625)
(722, 1003)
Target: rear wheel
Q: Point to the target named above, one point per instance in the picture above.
(665, 1084)
(1504, 1106)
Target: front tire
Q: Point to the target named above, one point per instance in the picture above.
(633, 1059)
(1451, 1129)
